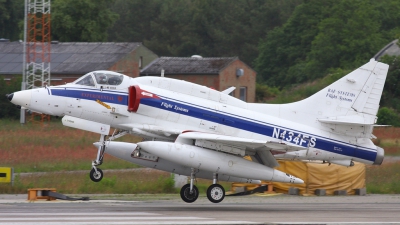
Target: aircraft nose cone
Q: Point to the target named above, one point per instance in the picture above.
(21, 98)
(10, 96)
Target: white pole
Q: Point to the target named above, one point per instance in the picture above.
(23, 84)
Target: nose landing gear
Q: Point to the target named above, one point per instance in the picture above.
(96, 174)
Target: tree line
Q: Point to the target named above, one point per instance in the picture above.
(287, 42)
(213, 28)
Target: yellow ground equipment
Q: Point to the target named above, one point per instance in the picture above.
(331, 178)
(6, 175)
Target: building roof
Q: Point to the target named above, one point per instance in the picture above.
(392, 49)
(69, 57)
(187, 65)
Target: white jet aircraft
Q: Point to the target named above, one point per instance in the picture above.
(196, 131)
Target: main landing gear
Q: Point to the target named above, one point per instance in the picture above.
(190, 193)
(96, 174)
(215, 193)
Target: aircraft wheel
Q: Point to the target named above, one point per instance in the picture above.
(215, 193)
(96, 177)
(187, 196)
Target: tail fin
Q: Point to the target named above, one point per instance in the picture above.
(368, 98)
(352, 100)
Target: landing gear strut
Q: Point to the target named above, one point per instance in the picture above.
(96, 174)
(189, 192)
(215, 193)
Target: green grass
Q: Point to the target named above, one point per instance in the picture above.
(52, 147)
(384, 179)
(70, 165)
(116, 182)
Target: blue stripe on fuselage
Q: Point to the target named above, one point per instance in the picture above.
(260, 128)
(121, 99)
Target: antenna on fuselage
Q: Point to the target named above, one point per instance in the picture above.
(162, 72)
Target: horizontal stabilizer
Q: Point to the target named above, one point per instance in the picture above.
(359, 119)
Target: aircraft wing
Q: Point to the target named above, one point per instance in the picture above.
(258, 150)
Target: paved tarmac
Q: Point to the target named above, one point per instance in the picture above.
(169, 209)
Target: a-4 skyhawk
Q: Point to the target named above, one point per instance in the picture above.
(193, 130)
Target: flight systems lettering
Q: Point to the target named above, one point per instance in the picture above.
(175, 107)
(341, 95)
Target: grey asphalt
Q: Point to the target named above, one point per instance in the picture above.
(169, 209)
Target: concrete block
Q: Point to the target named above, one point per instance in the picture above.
(340, 192)
(320, 192)
(293, 191)
(240, 189)
(180, 180)
(360, 191)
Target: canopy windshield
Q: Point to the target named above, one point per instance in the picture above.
(86, 80)
(108, 78)
(101, 78)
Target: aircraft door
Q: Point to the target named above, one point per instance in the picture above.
(211, 121)
(74, 107)
(228, 123)
(208, 125)
(173, 117)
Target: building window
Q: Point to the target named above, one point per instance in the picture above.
(232, 93)
(243, 94)
(141, 62)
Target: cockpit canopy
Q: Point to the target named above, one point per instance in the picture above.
(101, 78)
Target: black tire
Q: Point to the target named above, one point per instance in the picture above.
(187, 196)
(215, 193)
(96, 177)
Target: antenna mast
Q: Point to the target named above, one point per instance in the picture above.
(38, 44)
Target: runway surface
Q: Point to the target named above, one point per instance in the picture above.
(169, 209)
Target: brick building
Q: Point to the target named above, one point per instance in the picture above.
(71, 60)
(218, 73)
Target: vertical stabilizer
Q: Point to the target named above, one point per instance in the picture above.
(352, 99)
(370, 95)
